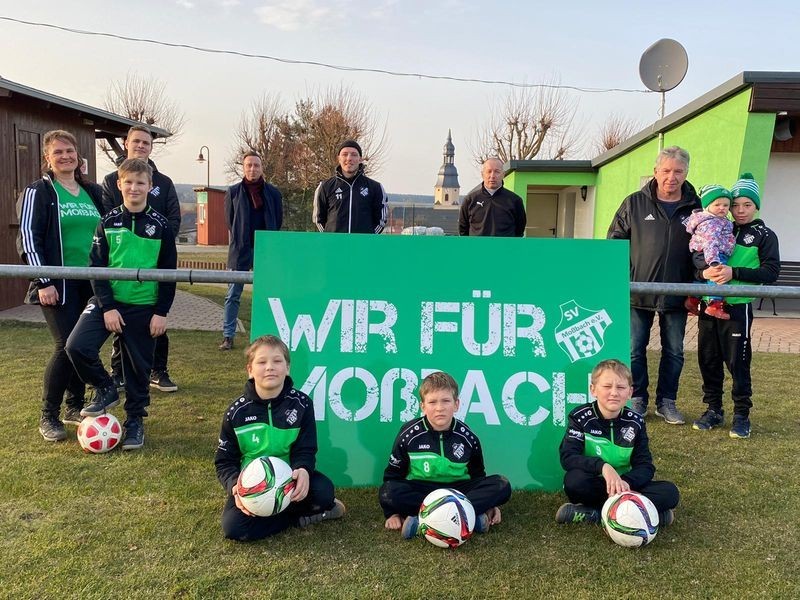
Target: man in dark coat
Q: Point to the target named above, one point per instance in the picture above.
(490, 209)
(654, 220)
(251, 205)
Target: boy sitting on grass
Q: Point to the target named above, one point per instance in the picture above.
(435, 451)
(605, 451)
(132, 235)
(272, 418)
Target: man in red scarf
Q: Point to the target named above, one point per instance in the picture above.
(251, 205)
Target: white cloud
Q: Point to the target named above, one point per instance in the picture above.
(185, 3)
(291, 15)
(229, 3)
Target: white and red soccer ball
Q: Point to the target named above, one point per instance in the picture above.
(630, 519)
(265, 486)
(446, 518)
(99, 434)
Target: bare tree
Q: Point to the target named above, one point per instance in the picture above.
(298, 148)
(529, 123)
(614, 131)
(144, 99)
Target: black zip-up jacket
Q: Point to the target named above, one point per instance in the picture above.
(148, 225)
(454, 454)
(756, 259)
(39, 238)
(500, 215)
(659, 245)
(269, 420)
(626, 433)
(237, 217)
(357, 205)
(162, 196)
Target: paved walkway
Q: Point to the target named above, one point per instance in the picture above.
(188, 312)
(770, 334)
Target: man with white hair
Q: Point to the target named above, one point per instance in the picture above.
(654, 220)
(490, 209)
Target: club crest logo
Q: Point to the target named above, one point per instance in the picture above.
(748, 239)
(155, 191)
(150, 230)
(581, 332)
(364, 192)
(628, 434)
(291, 416)
(458, 450)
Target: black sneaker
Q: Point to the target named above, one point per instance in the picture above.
(666, 518)
(577, 513)
(104, 398)
(52, 429)
(119, 382)
(709, 419)
(134, 434)
(740, 428)
(72, 415)
(336, 512)
(161, 381)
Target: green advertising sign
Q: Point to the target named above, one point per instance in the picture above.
(518, 322)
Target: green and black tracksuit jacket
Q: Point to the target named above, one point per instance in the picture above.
(423, 454)
(283, 427)
(591, 441)
(140, 240)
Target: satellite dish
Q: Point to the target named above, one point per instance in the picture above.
(663, 65)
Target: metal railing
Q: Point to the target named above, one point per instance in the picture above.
(211, 276)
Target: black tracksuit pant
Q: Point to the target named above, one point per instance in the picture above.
(238, 526)
(60, 378)
(89, 335)
(590, 490)
(404, 496)
(160, 355)
(726, 343)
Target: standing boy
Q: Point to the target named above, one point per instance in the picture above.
(605, 451)
(434, 451)
(755, 259)
(133, 235)
(272, 418)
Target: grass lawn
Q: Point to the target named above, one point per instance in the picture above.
(146, 524)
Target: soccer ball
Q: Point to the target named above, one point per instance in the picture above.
(266, 486)
(630, 519)
(99, 434)
(446, 518)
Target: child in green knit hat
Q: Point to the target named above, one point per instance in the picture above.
(755, 260)
(712, 235)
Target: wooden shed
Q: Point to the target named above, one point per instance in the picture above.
(26, 114)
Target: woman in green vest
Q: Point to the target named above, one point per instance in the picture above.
(58, 215)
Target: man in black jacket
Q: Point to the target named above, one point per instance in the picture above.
(350, 202)
(654, 220)
(490, 209)
(251, 205)
(163, 198)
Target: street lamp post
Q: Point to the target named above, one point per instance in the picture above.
(203, 159)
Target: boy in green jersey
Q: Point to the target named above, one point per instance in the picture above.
(436, 451)
(605, 451)
(132, 235)
(272, 418)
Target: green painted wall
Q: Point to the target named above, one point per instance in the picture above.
(722, 142)
(518, 181)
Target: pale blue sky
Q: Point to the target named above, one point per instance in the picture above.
(582, 43)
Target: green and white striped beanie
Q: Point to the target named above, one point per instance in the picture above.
(747, 187)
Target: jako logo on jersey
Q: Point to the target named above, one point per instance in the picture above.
(595, 432)
(424, 447)
(458, 450)
(150, 230)
(291, 416)
(364, 192)
(650, 217)
(250, 418)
